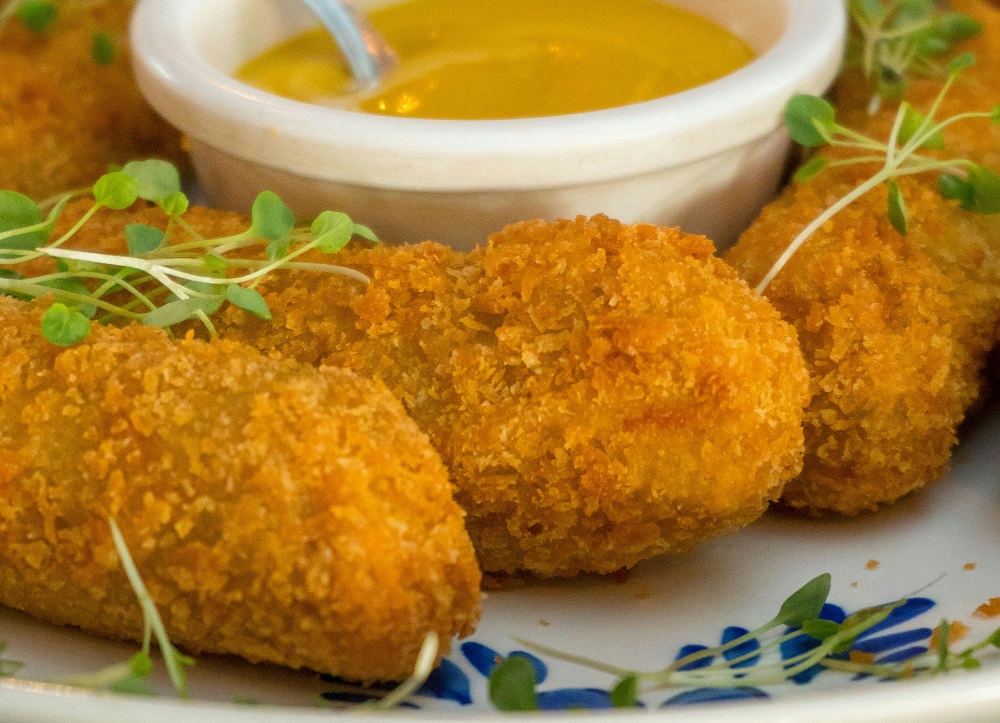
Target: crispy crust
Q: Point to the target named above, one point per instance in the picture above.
(895, 330)
(63, 118)
(279, 512)
(600, 393)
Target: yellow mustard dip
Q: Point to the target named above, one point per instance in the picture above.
(486, 59)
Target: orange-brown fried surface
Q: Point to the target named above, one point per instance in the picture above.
(895, 329)
(64, 118)
(600, 393)
(275, 511)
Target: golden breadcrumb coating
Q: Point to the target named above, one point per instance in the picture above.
(601, 393)
(895, 329)
(276, 511)
(63, 118)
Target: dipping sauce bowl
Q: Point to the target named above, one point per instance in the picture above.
(706, 159)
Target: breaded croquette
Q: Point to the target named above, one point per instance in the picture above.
(600, 393)
(275, 511)
(895, 329)
(64, 118)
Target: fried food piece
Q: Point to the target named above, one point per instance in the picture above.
(63, 117)
(275, 511)
(600, 393)
(895, 329)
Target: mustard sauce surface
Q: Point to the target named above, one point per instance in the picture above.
(483, 59)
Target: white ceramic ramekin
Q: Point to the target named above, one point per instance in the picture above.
(706, 159)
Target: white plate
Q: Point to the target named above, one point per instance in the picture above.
(924, 546)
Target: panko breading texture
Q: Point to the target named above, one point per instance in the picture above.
(63, 118)
(279, 512)
(895, 329)
(600, 393)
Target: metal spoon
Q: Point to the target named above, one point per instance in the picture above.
(367, 53)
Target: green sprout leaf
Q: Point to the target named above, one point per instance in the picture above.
(958, 189)
(248, 300)
(512, 685)
(806, 603)
(143, 239)
(102, 49)
(819, 628)
(116, 190)
(18, 211)
(985, 189)
(897, 209)
(272, 219)
(810, 170)
(178, 311)
(365, 233)
(994, 639)
(957, 26)
(625, 693)
(63, 326)
(332, 231)
(176, 204)
(277, 250)
(809, 119)
(913, 121)
(157, 180)
(961, 62)
(37, 15)
(73, 287)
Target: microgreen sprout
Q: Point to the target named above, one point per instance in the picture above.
(512, 685)
(169, 275)
(894, 38)
(811, 122)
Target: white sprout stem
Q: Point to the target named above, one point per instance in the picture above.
(421, 670)
(817, 222)
(150, 614)
(156, 270)
(890, 146)
(23, 286)
(98, 680)
(580, 659)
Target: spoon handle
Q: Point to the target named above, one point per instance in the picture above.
(366, 52)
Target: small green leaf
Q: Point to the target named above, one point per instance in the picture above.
(176, 204)
(810, 170)
(63, 326)
(365, 233)
(956, 26)
(116, 190)
(995, 638)
(272, 219)
(102, 49)
(37, 16)
(332, 231)
(277, 249)
(897, 209)
(986, 190)
(913, 120)
(809, 119)
(995, 115)
(132, 686)
(175, 312)
(143, 239)
(248, 300)
(19, 211)
(214, 265)
(141, 664)
(73, 287)
(512, 685)
(624, 694)
(889, 85)
(956, 188)
(157, 179)
(819, 628)
(806, 603)
(961, 62)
